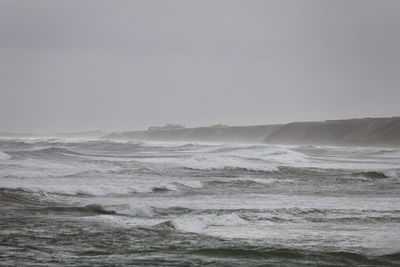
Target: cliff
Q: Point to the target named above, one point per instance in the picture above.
(384, 132)
(378, 132)
(369, 132)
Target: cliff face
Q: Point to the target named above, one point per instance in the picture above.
(379, 132)
(356, 132)
(226, 134)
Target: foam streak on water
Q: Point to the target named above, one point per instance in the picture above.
(117, 203)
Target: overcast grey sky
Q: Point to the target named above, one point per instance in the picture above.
(119, 65)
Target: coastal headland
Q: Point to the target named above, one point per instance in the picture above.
(368, 132)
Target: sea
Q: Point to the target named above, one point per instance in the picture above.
(141, 203)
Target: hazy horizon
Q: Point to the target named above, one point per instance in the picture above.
(69, 66)
(164, 124)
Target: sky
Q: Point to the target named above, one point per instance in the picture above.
(78, 65)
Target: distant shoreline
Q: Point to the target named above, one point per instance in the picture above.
(366, 132)
(371, 132)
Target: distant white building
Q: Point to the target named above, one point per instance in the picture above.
(168, 126)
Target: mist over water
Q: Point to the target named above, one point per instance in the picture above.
(101, 202)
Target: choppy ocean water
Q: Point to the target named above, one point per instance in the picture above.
(150, 203)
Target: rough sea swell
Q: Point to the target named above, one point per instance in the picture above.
(144, 203)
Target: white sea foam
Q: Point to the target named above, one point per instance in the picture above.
(392, 173)
(198, 223)
(212, 162)
(276, 154)
(144, 216)
(257, 158)
(95, 186)
(191, 184)
(263, 181)
(4, 156)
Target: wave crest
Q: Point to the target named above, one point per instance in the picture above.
(4, 156)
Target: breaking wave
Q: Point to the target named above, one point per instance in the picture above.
(371, 174)
(210, 200)
(295, 257)
(4, 156)
(214, 162)
(68, 187)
